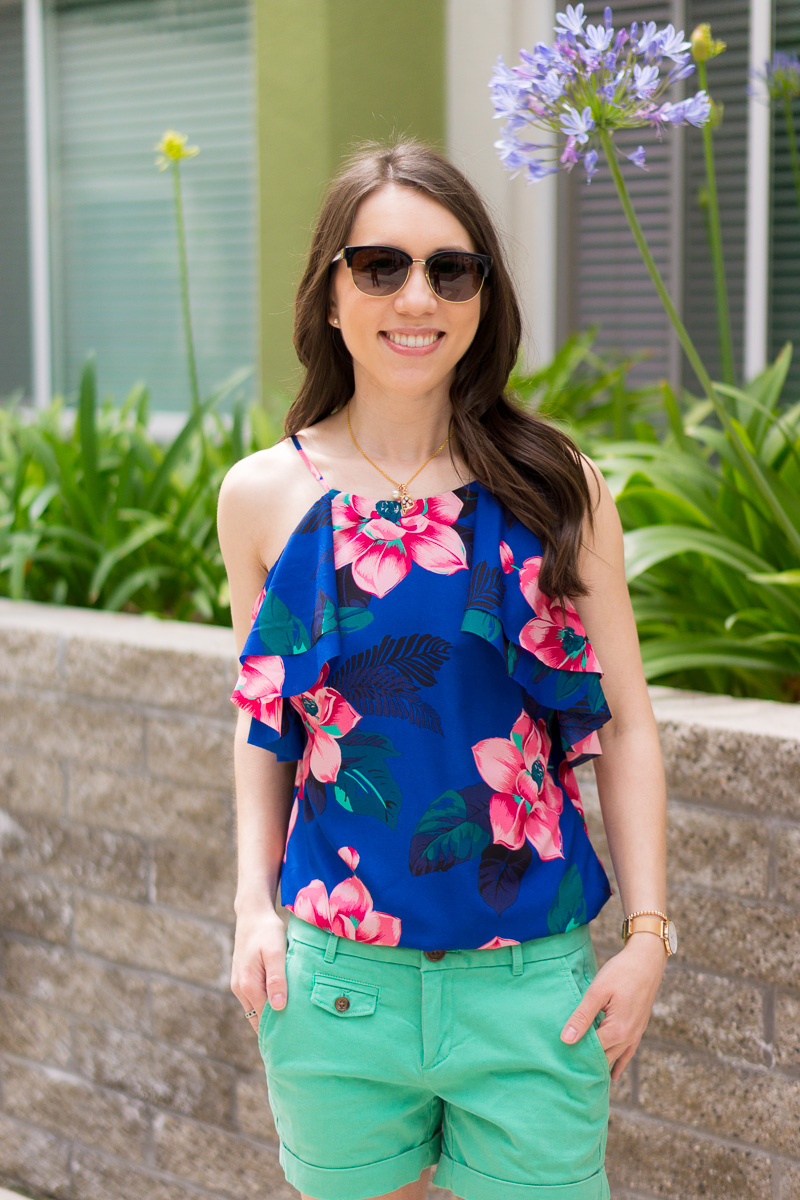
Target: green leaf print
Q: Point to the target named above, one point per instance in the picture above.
(569, 904)
(450, 831)
(353, 617)
(325, 618)
(483, 624)
(280, 631)
(364, 783)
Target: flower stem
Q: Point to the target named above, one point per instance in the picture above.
(747, 461)
(187, 320)
(654, 273)
(715, 246)
(787, 109)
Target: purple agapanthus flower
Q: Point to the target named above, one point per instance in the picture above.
(598, 37)
(577, 124)
(592, 80)
(645, 80)
(572, 20)
(780, 77)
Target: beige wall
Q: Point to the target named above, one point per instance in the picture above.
(126, 1068)
(477, 31)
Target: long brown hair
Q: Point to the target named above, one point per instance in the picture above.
(528, 464)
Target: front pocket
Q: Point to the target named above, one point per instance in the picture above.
(344, 997)
(267, 1010)
(578, 973)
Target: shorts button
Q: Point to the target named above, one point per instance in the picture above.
(341, 1004)
(434, 955)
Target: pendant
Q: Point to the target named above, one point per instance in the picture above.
(406, 501)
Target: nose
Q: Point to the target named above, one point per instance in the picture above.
(416, 295)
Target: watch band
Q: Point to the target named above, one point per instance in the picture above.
(662, 927)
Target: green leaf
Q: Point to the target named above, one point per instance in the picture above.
(134, 541)
(655, 543)
(483, 624)
(281, 632)
(354, 617)
(364, 783)
(568, 908)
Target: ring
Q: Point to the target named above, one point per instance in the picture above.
(252, 1013)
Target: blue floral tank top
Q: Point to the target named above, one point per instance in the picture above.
(436, 702)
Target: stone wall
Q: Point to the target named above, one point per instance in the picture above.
(126, 1068)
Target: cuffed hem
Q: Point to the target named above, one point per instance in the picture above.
(360, 1183)
(472, 1185)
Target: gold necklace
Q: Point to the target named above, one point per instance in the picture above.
(400, 489)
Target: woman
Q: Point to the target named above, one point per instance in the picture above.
(444, 576)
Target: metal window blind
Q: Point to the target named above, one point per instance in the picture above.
(119, 75)
(727, 82)
(603, 280)
(15, 332)
(784, 292)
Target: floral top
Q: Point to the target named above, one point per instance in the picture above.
(435, 702)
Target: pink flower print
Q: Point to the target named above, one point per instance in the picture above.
(566, 777)
(348, 911)
(498, 941)
(526, 802)
(350, 856)
(258, 688)
(506, 558)
(587, 745)
(258, 603)
(381, 545)
(292, 820)
(327, 716)
(558, 643)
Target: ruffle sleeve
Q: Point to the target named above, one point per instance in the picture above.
(549, 656)
(294, 634)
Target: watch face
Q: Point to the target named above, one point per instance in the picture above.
(672, 937)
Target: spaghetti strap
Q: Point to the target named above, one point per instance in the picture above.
(309, 463)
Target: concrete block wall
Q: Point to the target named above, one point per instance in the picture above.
(126, 1068)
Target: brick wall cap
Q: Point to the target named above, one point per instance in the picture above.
(765, 718)
(126, 628)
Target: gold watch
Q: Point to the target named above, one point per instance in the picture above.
(652, 922)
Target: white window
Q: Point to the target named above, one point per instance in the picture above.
(117, 74)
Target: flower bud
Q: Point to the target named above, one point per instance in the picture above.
(172, 148)
(703, 45)
(715, 114)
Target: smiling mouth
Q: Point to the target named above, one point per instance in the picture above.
(413, 341)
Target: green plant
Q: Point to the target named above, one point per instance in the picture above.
(713, 571)
(95, 512)
(589, 394)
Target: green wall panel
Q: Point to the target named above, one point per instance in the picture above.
(330, 73)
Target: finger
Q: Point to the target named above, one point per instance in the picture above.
(580, 1019)
(277, 989)
(253, 1015)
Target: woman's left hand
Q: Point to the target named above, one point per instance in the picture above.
(625, 988)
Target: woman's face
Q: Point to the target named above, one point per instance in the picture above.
(372, 327)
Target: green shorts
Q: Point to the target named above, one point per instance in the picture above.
(386, 1060)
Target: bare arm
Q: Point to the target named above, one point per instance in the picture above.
(631, 787)
(263, 785)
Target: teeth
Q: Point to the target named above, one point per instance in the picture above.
(415, 340)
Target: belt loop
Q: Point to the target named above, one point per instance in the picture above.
(330, 949)
(516, 959)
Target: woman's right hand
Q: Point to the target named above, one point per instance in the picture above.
(258, 973)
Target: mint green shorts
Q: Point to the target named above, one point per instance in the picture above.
(385, 1061)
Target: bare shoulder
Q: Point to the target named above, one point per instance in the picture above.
(605, 526)
(261, 500)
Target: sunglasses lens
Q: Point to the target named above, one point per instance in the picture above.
(456, 277)
(379, 270)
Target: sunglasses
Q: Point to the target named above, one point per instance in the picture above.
(453, 275)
